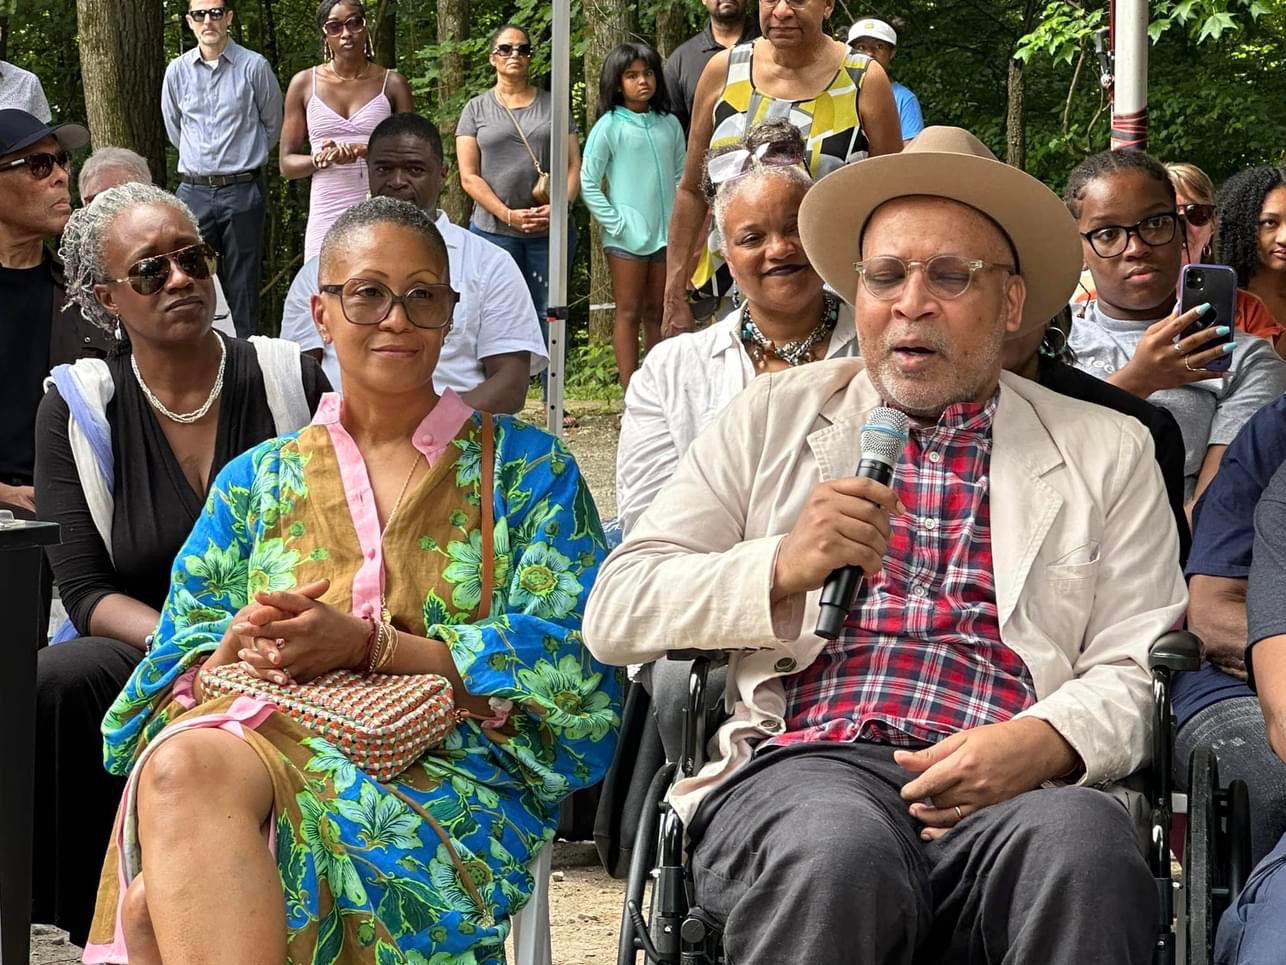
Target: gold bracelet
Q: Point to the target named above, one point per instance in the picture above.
(386, 657)
(377, 651)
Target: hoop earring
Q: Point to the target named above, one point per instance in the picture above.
(1047, 346)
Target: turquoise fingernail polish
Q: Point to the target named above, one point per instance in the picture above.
(1203, 308)
(1227, 349)
(1222, 330)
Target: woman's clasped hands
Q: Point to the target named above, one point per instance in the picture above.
(290, 636)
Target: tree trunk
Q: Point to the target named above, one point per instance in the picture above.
(1015, 129)
(453, 28)
(268, 33)
(122, 47)
(4, 36)
(386, 34)
(610, 22)
(671, 26)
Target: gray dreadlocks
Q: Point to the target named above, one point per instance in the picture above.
(84, 237)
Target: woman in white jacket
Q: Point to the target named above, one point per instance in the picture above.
(786, 316)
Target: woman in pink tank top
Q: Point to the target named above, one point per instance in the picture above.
(332, 109)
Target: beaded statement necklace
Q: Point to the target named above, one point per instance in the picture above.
(761, 348)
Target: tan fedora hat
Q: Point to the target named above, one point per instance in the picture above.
(946, 162)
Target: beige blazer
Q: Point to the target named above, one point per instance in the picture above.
(1083, 543)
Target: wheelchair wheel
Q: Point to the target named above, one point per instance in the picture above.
(1217, 852)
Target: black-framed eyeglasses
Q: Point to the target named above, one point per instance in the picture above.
(1197, 215)
(213, 13)
(946, 276)
(368, 302)
(147, 276)
(354, 24)
(1111, 240)
(40, 165)
(509, 50)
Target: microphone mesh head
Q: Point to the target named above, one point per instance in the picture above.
(885, 434)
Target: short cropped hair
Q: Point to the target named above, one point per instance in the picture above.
(408, 122)
(378, 211)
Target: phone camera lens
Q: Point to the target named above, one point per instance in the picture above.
(1197, 279)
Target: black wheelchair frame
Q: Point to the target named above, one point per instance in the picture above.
(675, 930)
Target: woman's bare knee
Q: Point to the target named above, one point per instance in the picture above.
(201, 770)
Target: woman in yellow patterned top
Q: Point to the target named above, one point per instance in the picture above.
(841, 102)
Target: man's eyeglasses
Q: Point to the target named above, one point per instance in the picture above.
(1197, 215)
(731, 165)
(1111, 240)
(946, 276)
(354, 24)
(40, 165)
(508, 50)
(147, 276)
(213, 13)
(369, 302)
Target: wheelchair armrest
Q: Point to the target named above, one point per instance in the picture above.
(1175, 651)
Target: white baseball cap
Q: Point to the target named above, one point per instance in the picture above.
(873, 28)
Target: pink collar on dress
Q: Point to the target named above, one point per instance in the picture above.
(431, 437)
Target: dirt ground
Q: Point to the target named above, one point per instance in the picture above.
(584, 903)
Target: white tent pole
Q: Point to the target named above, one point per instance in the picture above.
(556, 316)
(1130, 93)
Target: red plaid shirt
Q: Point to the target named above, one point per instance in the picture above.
(920, 656)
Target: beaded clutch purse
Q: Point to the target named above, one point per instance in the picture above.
(383, 723)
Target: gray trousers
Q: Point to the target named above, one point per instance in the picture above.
(810, 855)
(231, 222)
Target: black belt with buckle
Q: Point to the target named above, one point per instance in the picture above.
(220, 180)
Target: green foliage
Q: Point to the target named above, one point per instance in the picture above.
(591, 371)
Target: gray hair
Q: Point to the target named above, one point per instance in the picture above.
(378, 211)
(724, 193)
(84, 239)
(106, 158)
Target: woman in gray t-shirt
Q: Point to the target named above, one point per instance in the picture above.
(497, 169)
(1132, 236)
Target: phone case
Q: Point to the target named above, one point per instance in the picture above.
(1216, 284)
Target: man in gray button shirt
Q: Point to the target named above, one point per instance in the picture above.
(223, 110)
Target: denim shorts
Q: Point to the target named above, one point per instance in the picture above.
(656, 258)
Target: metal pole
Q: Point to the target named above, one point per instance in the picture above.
(1130, 94)
(559, 216)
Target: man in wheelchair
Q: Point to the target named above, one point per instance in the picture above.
(941, 782)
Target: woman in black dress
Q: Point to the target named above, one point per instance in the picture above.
(125, 451)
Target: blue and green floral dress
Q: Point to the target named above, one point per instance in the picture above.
(366, 878)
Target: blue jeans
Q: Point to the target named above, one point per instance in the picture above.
(532, 258)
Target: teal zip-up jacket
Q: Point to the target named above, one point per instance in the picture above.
(629, 176)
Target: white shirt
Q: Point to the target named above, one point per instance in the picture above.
(222, 313)
(21, 89)
(682, 385)
(487, 279)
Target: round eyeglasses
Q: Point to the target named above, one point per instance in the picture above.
(368, 302)
(946, 276)
(1197, 215)
(354, 24)
(1111, 240)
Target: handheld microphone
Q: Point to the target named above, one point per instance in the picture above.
(883, 438)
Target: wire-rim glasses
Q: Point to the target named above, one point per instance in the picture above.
(946, 276)
(369, 302)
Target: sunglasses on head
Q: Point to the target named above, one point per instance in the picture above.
(147, 276)
(731, 165)
(508, 50)
(41, 165)
(1197, 215)
(212, 13)
(354, 24)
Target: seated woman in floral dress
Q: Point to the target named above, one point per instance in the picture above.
(304, 543)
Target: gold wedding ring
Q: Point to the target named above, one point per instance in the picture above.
(959, 813)
(1188, 365)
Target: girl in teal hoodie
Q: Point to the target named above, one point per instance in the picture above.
(633, 160)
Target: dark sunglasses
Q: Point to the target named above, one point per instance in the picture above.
(508, 50)
(41, 165)
(147, 276)
(1197, 215)
(213, 13)
(354, 24)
